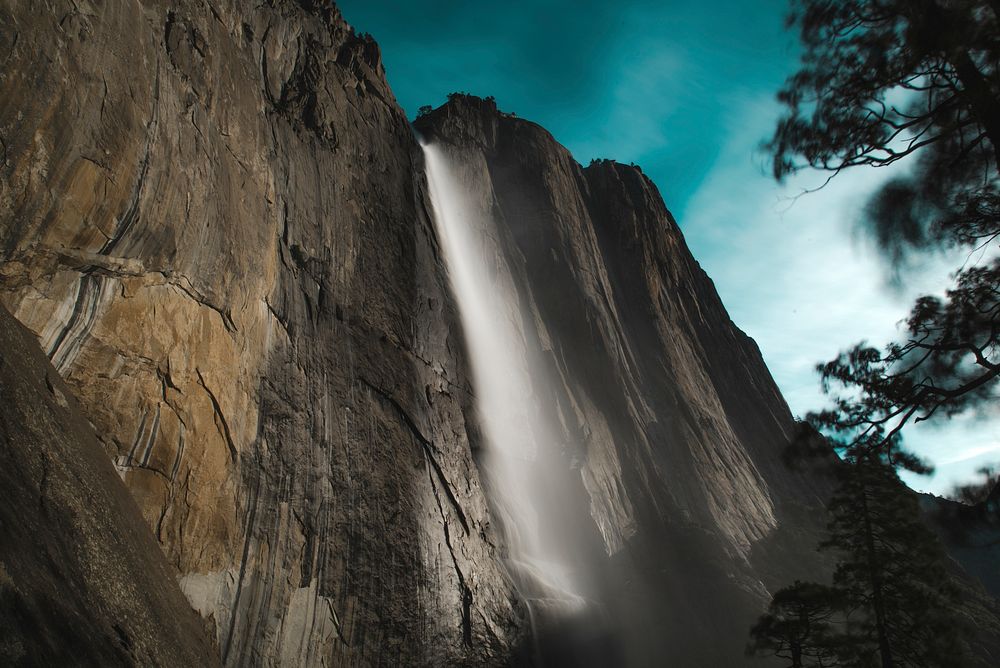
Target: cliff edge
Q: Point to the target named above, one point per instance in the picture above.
(81, 578)
(673, 428)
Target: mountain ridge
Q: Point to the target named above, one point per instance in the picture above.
(215, 219)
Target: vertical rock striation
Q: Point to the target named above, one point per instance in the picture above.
(214, 217)
(82, 581)
(673, 427)
(210, 216)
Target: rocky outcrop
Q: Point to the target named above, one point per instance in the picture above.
(210, 215)
(215, 219)
(672, 426)
(82, 581)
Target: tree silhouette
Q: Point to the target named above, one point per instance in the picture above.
(980, 501)
(892, 599)
(948, 363)
(798, 626)
(982, 491)
(881, 81)
(899, 595)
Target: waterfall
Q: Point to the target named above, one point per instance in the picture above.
(517, 432)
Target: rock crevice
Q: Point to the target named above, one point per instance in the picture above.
(241, 285)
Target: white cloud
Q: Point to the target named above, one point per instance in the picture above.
(632, 117)
(796, 279)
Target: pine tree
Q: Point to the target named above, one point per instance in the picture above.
(892, 600)
(898, 594)
(798, 626)
(883, 81)
(917, 80)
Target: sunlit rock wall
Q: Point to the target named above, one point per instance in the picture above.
(210, 216)
(82, 581)
(214, 217)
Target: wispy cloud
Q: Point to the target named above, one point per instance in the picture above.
(795, 277)
(632, 119)
(685, 88)
(973, 453)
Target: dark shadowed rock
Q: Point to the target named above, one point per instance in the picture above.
(971, 535)
(673, 427)
(212, 215)
(82, 580)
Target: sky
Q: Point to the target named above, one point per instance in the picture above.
(686, 89)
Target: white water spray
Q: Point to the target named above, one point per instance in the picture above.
(514, 426)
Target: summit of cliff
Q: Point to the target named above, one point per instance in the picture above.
(215, 221)
(669, 412)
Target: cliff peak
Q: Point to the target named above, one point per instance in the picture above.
(227, 248)
(470, 118)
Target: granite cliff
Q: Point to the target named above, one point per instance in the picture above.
(213, 220)
(82, 579)
(672, 428)
(216, 221)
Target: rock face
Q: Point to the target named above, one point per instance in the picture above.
(215, 219)
(81, 578)
(672, 426)
(210, 215)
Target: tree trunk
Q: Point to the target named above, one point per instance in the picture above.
(796, 655)
(946, 33)
(980, 98)
(875, 580)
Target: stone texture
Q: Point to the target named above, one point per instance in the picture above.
(82, 581)
(673, 427)
(210, 215)
(214, 217)
(216, 220)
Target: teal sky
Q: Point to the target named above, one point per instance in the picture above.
(686, 90)
(641, 81)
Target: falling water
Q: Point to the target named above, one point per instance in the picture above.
(516, 431)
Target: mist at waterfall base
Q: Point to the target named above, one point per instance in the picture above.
(525, 468)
